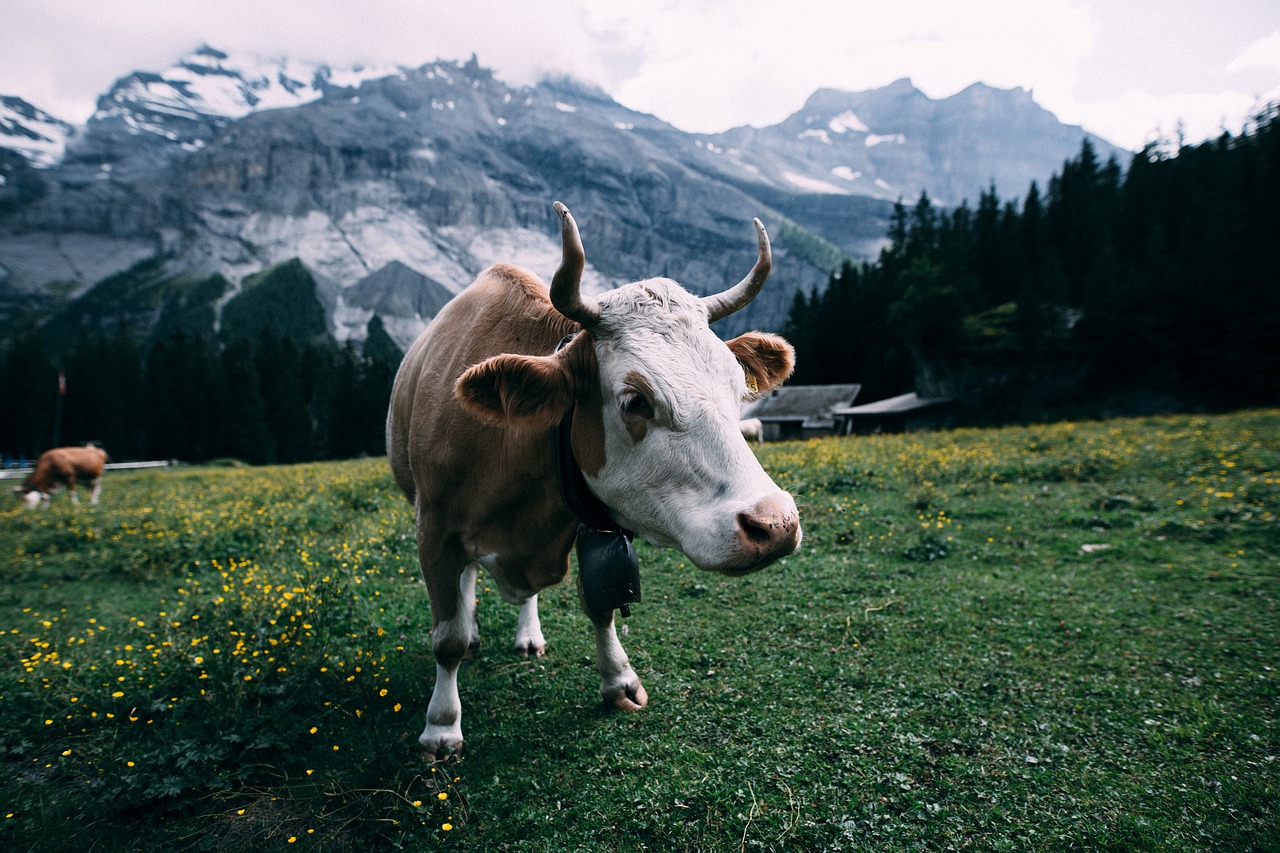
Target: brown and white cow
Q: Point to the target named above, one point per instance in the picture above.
(63, 466)
(654, 396)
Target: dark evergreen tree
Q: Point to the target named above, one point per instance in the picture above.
(288, 418)
(382, 359)
(339, 398)
(29, 385)
(240, 417)
(103, 400)
(166, 429)
(378, 345)
(799, 331)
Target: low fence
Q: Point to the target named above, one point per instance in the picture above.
(14, 473)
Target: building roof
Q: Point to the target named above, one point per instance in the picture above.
(811, 405)
(901, 404)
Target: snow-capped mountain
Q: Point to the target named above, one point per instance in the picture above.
(895, 141)
(185, 104)
(32, 132)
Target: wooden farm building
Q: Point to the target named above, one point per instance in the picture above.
(800, 411)
(904, 413)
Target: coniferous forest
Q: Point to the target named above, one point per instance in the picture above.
(258, 400)
(1110, 290)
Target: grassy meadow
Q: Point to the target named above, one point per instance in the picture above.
(1057, 637)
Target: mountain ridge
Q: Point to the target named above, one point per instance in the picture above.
(444, 169)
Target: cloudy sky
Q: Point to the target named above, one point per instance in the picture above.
(1128, 70)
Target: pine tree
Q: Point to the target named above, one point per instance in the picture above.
(241, 413)
(279, 368)
(799, 331)
(29, 381)
(378, 345)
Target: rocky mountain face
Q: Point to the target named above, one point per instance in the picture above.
(392, 188)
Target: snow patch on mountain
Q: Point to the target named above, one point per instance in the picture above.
(32, 132)
(814, 185)
(848, 121)
(210, 83)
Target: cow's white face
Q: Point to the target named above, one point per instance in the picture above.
(33, 498)
(675, 466)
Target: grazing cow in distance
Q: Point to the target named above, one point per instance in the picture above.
(63, 466)
(643, 399)
(752, 429)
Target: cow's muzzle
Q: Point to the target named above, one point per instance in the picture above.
(766, 532)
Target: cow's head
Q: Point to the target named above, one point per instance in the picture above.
(30, 497)
(657, 398)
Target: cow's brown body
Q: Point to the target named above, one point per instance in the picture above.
(473, 482)
(66, 466)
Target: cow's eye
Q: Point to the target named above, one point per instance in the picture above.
(634, 405)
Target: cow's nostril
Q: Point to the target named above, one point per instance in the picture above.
(755, 530)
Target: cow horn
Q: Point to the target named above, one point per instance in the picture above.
(566, 284)
(723, 304)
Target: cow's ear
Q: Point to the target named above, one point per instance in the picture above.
(767, 360)
(516, 390)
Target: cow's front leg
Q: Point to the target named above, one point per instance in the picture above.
(619, 684)
(97, 490)
(529, 640)
(453, 639)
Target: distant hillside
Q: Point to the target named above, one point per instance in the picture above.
(391, 188)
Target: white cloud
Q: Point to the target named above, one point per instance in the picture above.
(1135, 118)
(704, 65)
(1263, 53)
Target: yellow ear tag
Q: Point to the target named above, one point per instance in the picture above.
(752, 385)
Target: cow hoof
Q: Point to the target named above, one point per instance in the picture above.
(440, 741)
(626, 694)
(530, 649)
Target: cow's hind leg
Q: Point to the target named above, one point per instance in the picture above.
(97, 490)
(529, 640)
(619, 684)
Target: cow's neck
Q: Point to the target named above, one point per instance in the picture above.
(589, 509)
(607, 564)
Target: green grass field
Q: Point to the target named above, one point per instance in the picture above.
(1046, 638)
